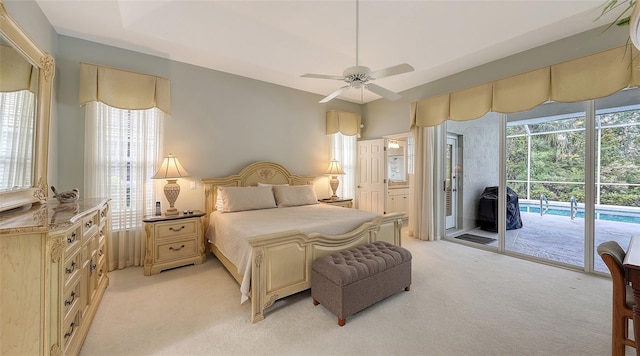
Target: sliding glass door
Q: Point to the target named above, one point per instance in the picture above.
(617, 170)
(545, 168)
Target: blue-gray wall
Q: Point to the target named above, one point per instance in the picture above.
(221, 122)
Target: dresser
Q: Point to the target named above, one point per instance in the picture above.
(53, 273)
(173, 241)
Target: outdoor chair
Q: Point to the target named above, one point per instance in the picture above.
(613, 256)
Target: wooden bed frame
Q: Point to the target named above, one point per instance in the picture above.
(281, 262)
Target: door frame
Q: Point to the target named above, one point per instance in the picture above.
(456, 180)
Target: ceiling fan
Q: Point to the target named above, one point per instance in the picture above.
(360, 77)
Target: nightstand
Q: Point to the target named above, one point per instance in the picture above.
(345, 203)
(173, 241)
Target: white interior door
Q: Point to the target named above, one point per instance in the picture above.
(371, 183)
(451, 182)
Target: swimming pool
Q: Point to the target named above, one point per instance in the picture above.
(627, 215)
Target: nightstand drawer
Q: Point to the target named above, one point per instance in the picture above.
(176, 229)
(176, 250)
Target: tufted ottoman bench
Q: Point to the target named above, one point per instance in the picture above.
(349, 281)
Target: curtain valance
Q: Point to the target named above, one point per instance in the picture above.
(16, 72)
(591, 77)
(123, 89)
(347, 123)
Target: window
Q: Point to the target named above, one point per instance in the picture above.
(343, 149)
(123, 148)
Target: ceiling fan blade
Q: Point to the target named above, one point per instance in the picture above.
(395, 70)
(334, 94)
(385, 93)
(322, 76)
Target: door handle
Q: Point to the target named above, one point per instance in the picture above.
(359, 187)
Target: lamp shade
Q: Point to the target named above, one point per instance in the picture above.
(334, 168)
(170, 169)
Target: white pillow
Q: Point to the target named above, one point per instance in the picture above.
(270, 185)
(294, 195)
(246, 198)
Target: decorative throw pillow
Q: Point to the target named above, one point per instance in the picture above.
(219, 203)
(295, 195)
(246, 198)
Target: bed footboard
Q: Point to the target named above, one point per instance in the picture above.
(281, 262)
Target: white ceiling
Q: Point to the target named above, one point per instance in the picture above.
(278, 41)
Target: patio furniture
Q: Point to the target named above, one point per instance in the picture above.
(613, 256)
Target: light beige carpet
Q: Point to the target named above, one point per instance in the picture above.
(463, 301)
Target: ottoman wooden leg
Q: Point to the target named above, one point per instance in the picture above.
(341, 321)
(315, 302)
(407, 288)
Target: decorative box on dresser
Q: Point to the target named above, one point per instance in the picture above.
(53, 273)
(173, 241)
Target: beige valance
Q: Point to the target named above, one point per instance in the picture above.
(123, 89)
(347, 123)
(591, 77)
(16, 72)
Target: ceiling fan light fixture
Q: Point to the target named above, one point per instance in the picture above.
(360, 77)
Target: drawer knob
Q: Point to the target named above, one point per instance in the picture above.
(73, 268)
(70, 332)
(73, 297)
(176, 249)
(89, 223)
(176, 230)
(72, 238)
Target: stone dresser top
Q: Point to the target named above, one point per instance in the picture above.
(46, 217)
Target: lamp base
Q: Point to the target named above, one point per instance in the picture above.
(171, 191)
(334, 183)
(171, 211)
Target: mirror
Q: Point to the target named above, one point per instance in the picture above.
(397, 161)
(25, 104)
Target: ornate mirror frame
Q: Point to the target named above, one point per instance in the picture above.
(17, 37)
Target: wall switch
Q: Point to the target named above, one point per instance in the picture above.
(192, 185)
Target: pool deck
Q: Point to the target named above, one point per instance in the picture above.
(560, 239)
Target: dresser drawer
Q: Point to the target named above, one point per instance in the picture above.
(89, 247)
(101, 270)
(175, 250)
(72, 296)
(70, 327)
(103, 214)
(72, 240)
(176, 229)
(90, 225)
(71, 268)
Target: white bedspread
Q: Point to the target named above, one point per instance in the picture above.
(230, 231)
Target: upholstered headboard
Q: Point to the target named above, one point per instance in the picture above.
(259, 172)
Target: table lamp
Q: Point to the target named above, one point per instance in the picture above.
(171, 170)
(333, 170)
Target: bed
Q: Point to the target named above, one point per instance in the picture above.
(272, 261)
